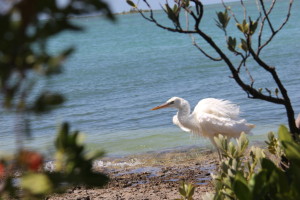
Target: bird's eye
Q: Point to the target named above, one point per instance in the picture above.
(172, 102)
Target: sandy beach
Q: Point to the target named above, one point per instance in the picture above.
(151, 176)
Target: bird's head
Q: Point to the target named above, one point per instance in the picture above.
(174, 102)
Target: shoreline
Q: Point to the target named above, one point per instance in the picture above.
(151, 176)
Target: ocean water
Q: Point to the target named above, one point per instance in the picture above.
(121, 70)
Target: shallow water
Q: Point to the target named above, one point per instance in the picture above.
(119, 71)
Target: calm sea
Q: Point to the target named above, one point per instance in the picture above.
(121, 70)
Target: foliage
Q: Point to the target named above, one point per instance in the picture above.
(73, 166)
(186, 191)
(234, 168)
(26, 27)
(23, 47)
(259, 177)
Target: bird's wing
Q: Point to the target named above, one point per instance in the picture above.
(212, 125)
(217, 107)
(176, 122)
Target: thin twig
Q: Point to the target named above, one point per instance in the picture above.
(266, 15)
(249, 74)
(152, 19)
(199, 9)
(245, 10)
(274, 32)
(263, 20)
(231, 12)
(202, 51)
(243, 61)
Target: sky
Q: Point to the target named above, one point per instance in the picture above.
(121, 5)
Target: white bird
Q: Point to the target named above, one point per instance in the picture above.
(210, 118)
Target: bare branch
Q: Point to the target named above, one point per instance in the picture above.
(249, 74)
(231, 12)
(274, 32)
(153, 20)
(260, 30)
(199, 9)
(245, 10)
(202, 51)
(263, 20)
(243, 61)
(273, 72)
(267, 15)
(252, 93)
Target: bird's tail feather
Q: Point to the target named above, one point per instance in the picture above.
(250, 126)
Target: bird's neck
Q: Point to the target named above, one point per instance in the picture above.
(186, 118)
(184, 113)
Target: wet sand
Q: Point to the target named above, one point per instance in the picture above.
(150, 176)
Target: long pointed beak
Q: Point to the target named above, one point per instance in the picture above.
(165, 105)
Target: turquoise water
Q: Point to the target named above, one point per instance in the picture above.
(121, 70)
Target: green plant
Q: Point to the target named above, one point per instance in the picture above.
(186, 191)
(258, 177)
(23, 48)
(26, 27)
(73, 166)
(234, 165)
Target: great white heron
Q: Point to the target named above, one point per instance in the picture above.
(210, 118)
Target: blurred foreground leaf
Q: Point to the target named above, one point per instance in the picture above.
(36, 183)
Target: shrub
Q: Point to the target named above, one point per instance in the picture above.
(255, 176)
(73, 166)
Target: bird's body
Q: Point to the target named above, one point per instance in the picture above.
(210, 118)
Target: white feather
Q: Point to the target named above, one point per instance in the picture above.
(217, 107)
(176, 122)
(209, 118)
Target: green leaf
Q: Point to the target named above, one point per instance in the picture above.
(253, 26)
(171, 14)
(242, 143)
(186, 3)
(240, 27)
(245, 26)
(36, 183)
(268, 165)
(129, 2)
(259, 184)
(47, 100)
(243, 45)
(190, 189)
(276, 179)
(223, 19)
(276, 91)
(175, 8)
(292, 151)
(241, 188)
(284, 134)
(231, 44)
(94, 155)
(231, 149)
(62, 136)
(182, 191)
